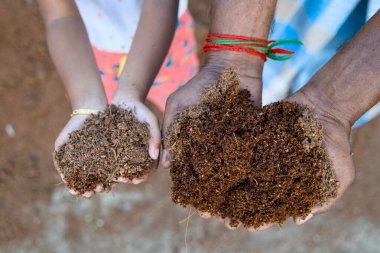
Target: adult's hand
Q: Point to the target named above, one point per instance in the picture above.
(343, 90)
(248, 67)
(336, 133)
(250, 18)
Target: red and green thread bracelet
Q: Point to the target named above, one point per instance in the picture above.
(255, 46)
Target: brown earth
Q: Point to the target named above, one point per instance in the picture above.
(38, 215)
(34, 106)
(110, 145)
(255, 166)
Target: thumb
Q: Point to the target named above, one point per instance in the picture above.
(155, 134)
(169, 115)
(75, 123)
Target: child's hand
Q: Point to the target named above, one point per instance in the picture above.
(144, 115)
(75, 123)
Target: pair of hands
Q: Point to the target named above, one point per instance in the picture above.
(142, 113)
(336, 129)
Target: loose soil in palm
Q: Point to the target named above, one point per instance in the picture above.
(253, 165)
(110, 145)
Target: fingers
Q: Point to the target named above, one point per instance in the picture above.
(155, 135)
(73, 192)
(100, 188)
(75, 123)
(145, 115)
(204, 215)
(168, 117)
(187, 95)
(345, 173)
(140, 180)
(165, 159)
(227, 223)
(261, 228)
(320, 209)
(121, 180)
(63, 178)
(300, 220)
(234, 226)
(343, 184)
(170, 112)
(88, 194)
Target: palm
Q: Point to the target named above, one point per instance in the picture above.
(76, 122)
(336, 137)
(189, 95)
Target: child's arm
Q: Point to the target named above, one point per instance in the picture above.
(71, 52)
(149, 48)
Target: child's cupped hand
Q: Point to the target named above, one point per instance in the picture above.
(141, 112)
(143, 115)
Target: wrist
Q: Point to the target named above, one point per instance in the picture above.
(247, 66)
(325, 106)
(96, 103)
(128, 92)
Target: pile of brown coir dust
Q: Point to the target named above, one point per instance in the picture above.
(255, 166)
(110, 145)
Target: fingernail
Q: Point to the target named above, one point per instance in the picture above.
(139, 180)
(165, 158)
(121, 180)
(251, 229)
(63, 178)
(153, 152)
(227, 223)
(164, 154)
(88, 194)
(302, 221)
(99, 188)
(258, 229)
(156, 152)
(73, 192)
(205, 215)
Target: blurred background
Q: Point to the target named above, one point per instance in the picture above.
(38, 215)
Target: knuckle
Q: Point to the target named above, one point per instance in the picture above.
(170, 102)
(350, 176)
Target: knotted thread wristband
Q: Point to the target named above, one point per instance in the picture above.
(254, 46)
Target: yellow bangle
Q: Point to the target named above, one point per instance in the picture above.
(84, 112)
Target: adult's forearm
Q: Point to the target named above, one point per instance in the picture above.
(149, 48)
(71, 52)
(349, 84)
(251, 18)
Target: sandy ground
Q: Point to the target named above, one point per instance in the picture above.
(38, 215)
